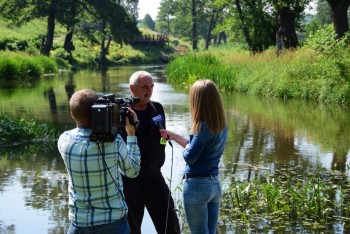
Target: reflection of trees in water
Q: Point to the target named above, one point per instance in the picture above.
(270, 130)
(51, 96)
(264, 140)
(42, 175)
(70, 86)
(262, 143)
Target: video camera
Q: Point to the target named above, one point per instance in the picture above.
(107, 112)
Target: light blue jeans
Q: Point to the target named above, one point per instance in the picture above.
(201, 198)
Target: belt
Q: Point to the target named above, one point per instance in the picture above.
(186, 176)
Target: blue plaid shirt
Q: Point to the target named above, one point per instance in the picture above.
(94, 199)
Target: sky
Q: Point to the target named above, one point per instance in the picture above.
(148, 7)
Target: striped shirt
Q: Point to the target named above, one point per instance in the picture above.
(94, 199)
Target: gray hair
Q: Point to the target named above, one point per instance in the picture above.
(134, 78)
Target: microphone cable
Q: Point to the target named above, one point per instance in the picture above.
(171, 178)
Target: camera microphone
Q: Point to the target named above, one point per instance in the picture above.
(157, 120)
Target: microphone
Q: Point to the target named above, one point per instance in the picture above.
(157, 120)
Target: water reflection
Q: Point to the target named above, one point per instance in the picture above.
(277, 132)
(264, 135)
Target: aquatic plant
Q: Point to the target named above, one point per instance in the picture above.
(16, 131)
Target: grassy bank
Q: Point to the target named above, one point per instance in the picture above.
(302, 74)
(20, 66)
(21, 45)
(320, 70)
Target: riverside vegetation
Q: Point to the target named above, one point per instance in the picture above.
(320, 70)
(286, 199)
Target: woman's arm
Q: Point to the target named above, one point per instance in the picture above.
(169, 135)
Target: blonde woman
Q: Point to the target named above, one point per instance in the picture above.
(202, 189)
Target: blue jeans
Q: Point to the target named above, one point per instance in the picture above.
(201, 198)
(120, 226)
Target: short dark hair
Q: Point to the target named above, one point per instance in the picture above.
(80, 104)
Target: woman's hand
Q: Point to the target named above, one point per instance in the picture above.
(166, 134)
(169, 135)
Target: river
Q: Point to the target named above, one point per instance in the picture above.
(268, 132)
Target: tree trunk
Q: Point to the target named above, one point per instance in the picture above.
(244, 28)
(194, 26)
(210, 29)
(103, 51)
(286, 20)
(50, 30)
(222, 36)
(68, 42)
(339, 10)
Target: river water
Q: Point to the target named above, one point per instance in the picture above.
(267, 132)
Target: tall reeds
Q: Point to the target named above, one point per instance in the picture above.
(302, 74)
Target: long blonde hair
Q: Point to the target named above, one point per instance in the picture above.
(206, 106)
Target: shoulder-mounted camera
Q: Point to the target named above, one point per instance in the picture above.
(108, 117)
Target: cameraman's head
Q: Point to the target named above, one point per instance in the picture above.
(80, 106)
(141, 85)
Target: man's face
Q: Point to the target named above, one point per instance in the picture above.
(143, 89)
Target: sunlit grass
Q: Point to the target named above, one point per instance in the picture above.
(301, 73)
(20, 66)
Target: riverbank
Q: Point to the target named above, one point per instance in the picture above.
(20, 47)
(320, 70)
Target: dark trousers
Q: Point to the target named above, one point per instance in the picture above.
(120, 226)
(152, 193)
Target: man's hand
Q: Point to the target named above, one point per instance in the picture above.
(129, 128)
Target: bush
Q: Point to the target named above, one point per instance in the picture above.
(19, 130)
(47, 64)
(8, 69)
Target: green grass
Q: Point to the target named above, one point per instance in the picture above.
(21, 66)
(26, 38)
(14, 131)
(289, 197)
(302, 74)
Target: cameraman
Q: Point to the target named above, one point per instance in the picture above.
(96, 201)
(149, 189)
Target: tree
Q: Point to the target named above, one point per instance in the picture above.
(71, 13)
(256, 23)
(323, 13)
(289, 15)
(215, 10)
(194, 25)
(130, 7)
(339, 10)
(21, 12)
(166, 10)
(148, 22)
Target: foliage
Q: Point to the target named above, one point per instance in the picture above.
(195, 66)
(303, 73)
(323, 40)
(148, 22)
(21, 66)
(290, 196)
(323, 15)
(178, 15)
(70, 13)
(15, 131)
